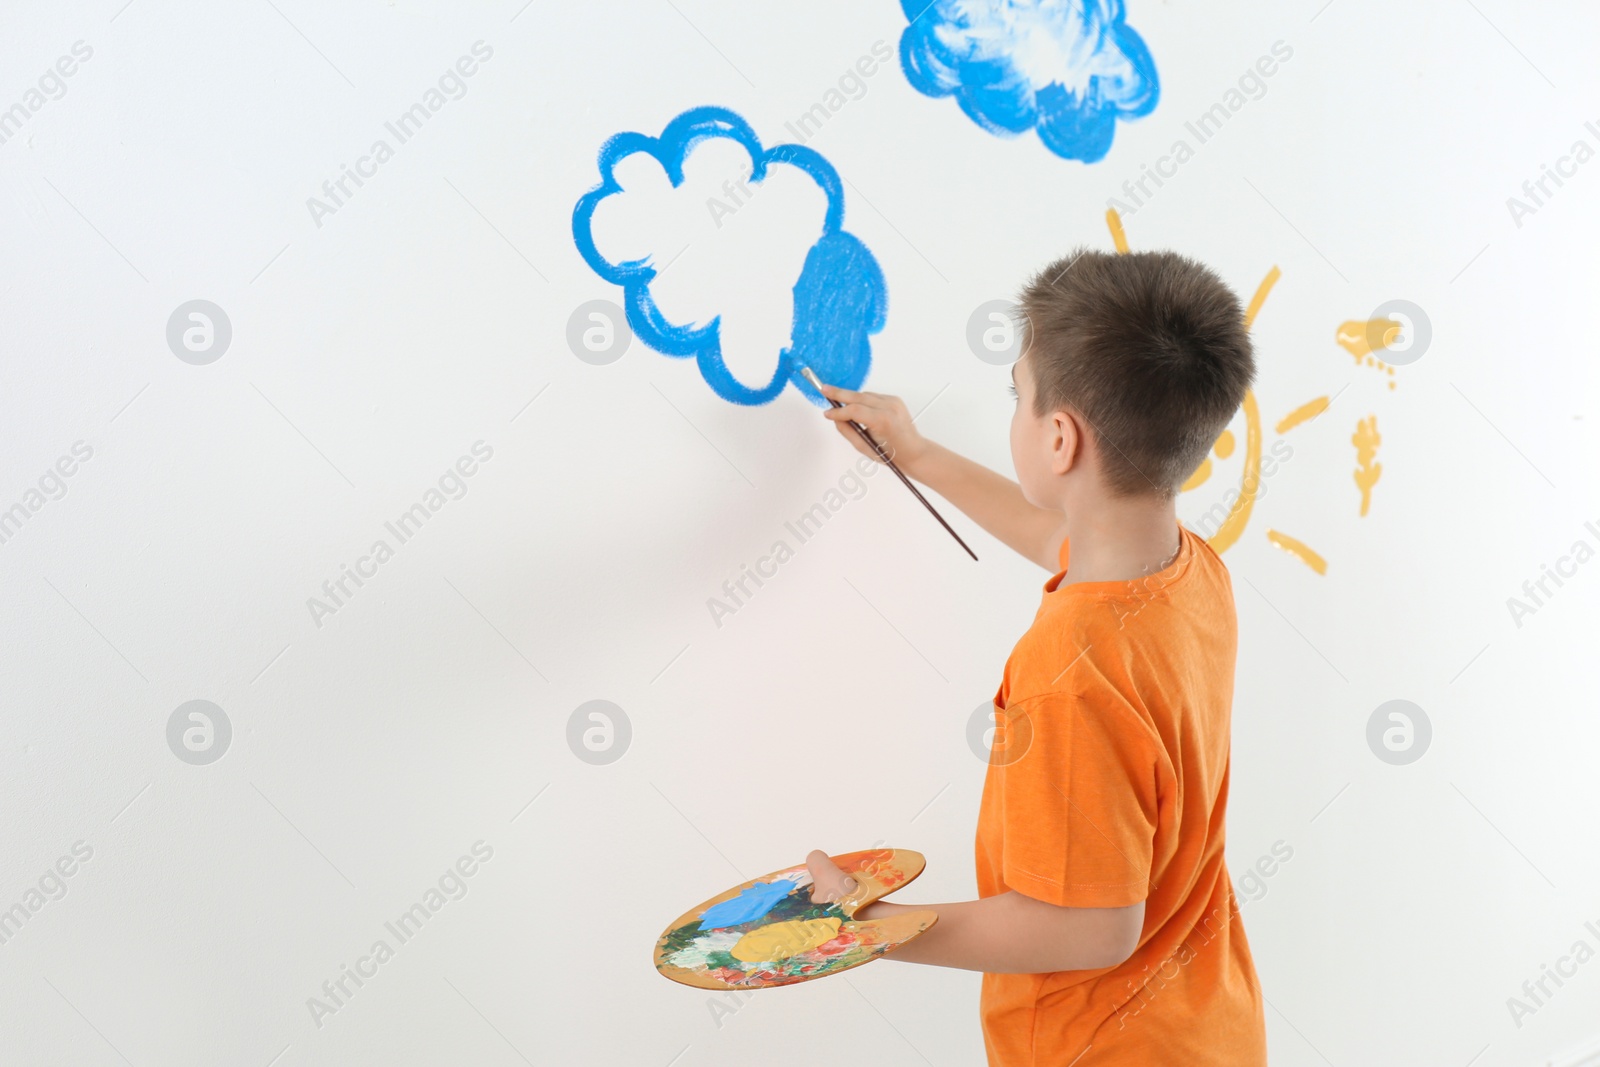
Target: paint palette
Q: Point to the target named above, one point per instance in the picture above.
(767, 932)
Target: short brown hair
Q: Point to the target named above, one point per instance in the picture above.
(1150, 347)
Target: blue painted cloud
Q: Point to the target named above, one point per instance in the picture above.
(1066, 68)
(840, 299)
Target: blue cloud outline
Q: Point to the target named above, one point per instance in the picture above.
(996, 97)
(843, 364)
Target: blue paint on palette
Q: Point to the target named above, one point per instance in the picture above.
(840, 298)
(752, 903)
(1068, 69)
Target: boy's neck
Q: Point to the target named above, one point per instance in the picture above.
(1121, 539)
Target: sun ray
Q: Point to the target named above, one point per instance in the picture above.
(1300, 549)
(1304, 413)
(1118, 236)
(1261, 296)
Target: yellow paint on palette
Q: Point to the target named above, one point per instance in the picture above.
(1300, 549)
(1224, 445)
(1366, 439)
(1361, 339)
(1118, 236)
(777, 941)
(1304, 413)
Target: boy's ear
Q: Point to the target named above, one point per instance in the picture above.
(1066, 441)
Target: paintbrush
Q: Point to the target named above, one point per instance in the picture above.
(816, 383)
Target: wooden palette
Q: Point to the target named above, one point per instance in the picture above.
(767, 932)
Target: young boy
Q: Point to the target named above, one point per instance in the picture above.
(1107, 927)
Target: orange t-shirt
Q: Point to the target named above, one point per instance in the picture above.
(1107, 785)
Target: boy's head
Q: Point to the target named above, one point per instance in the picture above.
(1133, 364)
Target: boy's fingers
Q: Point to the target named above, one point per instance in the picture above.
(852, 396)
(855, 441)
(850, 412)
(828, 882)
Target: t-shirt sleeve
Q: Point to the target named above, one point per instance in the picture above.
(1079, 807)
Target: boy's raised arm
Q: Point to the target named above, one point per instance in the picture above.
(990, 499)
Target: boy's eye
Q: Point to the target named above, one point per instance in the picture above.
(1012, 390)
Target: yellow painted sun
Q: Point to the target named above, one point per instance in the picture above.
(1362, 340)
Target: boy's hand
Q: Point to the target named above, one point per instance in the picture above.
(828, 883)
(885, 418)
(992, 500)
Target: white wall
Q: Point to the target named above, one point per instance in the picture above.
(368, 353)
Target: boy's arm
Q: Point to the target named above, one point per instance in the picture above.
(1010, 933)
(992, 500)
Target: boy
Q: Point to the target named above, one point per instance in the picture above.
(1107, 927)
